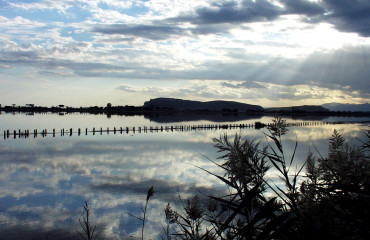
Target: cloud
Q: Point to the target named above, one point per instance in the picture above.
(191, 89)
(246, 84)
(245, 44)
(18, 26)
(61, 5)
(349, 16)
(335, 69)
(153, 32)
(344, 69)
(304, 7)
(232, 12)
(222, 17)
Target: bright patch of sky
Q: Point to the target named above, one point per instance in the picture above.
(311, 52)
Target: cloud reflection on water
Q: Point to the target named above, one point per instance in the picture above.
(46, 181)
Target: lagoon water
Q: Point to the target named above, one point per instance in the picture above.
(45, 181)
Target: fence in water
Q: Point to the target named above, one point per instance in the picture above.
(14, 134)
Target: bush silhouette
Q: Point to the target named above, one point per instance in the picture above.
(332, 202)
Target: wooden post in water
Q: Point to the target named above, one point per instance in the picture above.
(70, 132)
(108, 130)
(79, 131)
(86, 132)
(101, 131)
(114, 130)
(94, 131)
(53, 132)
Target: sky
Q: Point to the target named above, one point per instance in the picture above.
(265, 52)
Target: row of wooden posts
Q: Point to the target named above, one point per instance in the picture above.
(69, 132)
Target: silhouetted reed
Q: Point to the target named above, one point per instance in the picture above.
(88, 230)
(149, 196)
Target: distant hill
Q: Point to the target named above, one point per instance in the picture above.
(304, 108)
(347, 107)
(231, 106)
(180, 104)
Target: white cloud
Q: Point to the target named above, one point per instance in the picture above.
(61, 5)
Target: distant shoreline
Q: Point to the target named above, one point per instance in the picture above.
(131, 110)
(163, 107)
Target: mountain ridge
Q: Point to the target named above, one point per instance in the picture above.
(217, 105)
(347, 107)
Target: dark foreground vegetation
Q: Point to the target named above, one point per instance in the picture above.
(330, 201)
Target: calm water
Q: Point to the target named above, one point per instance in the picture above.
(45, 181)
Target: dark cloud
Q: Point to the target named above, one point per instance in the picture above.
(345, 15)
(153, 32)
(210, 29)
(303, 7)
(34, 59)
(231, 12)
(349, 15)
(219, 18)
